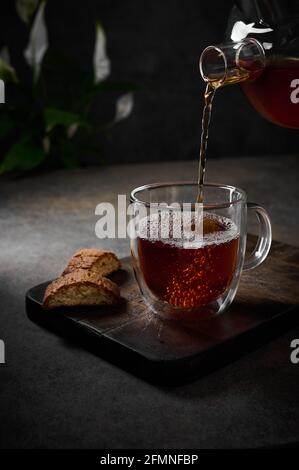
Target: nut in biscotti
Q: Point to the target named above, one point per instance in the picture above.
(81, 287)
(97, 261)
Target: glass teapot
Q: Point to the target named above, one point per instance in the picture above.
(261, 52)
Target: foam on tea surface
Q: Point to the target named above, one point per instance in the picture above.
(183, 229)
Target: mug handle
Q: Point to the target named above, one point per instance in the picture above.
(264, 241)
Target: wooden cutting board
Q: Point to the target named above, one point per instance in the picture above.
(169, 352)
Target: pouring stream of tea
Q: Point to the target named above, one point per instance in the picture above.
(206, 118)
(212, 86)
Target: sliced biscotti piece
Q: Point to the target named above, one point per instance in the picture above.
(97, 261)
(81, 287)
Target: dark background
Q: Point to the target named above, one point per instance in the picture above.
(157, 45)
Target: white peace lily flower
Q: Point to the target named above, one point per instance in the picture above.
(124, 106)
(71, 130)
(101, 63)
(38, 42)
(46, 145)
(267, 45)
(26, 8)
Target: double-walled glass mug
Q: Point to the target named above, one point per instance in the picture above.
(187, 257)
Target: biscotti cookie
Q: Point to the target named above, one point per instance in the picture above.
(97, 261)
(81, 287)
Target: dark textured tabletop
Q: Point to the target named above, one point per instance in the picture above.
(55, 394)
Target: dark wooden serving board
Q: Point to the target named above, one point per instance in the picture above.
(169, 352)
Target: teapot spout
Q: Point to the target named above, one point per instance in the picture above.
(232, 62)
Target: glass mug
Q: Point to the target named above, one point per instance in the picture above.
(197, 273)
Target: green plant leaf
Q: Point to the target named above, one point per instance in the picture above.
(23, 155)
(26, 9)
(6, 126)
(68, 157)
(56, 117)
(7, 72)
